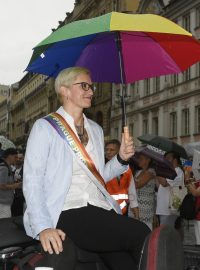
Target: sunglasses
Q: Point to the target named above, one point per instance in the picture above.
(86, 86)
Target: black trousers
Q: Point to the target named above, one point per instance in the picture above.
(118, 239)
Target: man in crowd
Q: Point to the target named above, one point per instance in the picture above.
(121, 188)
(18, 203)
(7, 184)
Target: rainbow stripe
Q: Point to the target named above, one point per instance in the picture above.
(65, 131)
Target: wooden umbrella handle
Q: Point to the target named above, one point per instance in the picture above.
(126, 134)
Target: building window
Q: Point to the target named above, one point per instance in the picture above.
(99, 90)
(131, 129)
(198, 69)
(99, 118)
(145, 126)
(156, 84)
(186, 75)
(155, 125)
(116, 133)
(175, 79)
(173, 124)
(185, 122)
(147, 87)
(197, 119)
(198, 17)
(186, 22)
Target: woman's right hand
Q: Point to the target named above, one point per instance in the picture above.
(51, 240)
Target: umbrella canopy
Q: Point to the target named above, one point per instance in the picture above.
(196, 165)
(164, 144)
(117, 47)
(6, 143)
(190, 147)
(162, 166)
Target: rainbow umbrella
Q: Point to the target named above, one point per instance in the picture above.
(118, 48)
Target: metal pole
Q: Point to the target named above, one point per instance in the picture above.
(122, 77)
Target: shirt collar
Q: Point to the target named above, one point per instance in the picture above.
(70, 119)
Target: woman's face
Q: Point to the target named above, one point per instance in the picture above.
(143, 161)
(77, 95)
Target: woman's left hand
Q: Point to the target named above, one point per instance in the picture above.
(127, 148)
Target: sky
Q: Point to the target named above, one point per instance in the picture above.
(23, 24)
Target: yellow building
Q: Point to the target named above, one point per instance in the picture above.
(4, 92)
(30, 101)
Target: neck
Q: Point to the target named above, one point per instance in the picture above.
(76, 113)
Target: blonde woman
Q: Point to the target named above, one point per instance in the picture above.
(64, 174)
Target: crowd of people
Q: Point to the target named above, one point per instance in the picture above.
(11, 176)
(149, 196)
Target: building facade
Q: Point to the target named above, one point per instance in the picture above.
(33, 98)
(4, 94)
(167, 105)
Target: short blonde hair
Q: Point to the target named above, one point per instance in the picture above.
(67, 76)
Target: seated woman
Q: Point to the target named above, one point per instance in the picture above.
(64, 183)
(145, 185)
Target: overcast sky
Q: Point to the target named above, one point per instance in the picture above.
(24, 23)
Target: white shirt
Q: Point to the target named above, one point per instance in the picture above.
(83, 191)
(163, 196)
(48, 170)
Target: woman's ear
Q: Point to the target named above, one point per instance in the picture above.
(64, 91)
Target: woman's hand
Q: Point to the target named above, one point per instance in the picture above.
(51, 240)
(127, 149)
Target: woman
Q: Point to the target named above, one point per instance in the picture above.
(145, 185)
(64, 186)
(194, 188)
(164, 191)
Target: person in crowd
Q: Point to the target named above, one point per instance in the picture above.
(1, 150)
(145, 180)
(122, 187)
(64, 182)
(194, 188)
(111, 149)
(7, 184)
(164, 193)
(18, 202)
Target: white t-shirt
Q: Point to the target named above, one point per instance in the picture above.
(163, 196)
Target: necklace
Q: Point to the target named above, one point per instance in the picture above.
(80, 130)
(82, 134)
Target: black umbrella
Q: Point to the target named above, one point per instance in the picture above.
(162, 166)
(164, 144)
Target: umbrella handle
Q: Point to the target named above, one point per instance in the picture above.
(126, 134)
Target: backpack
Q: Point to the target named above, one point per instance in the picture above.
(188, 207)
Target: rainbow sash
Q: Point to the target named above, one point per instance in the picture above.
(65, 131)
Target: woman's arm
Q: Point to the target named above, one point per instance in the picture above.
(143, 179)
(162, 181)
(135, 212)
(11, 186)
(35, 163)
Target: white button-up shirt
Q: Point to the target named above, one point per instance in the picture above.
(48, 172)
